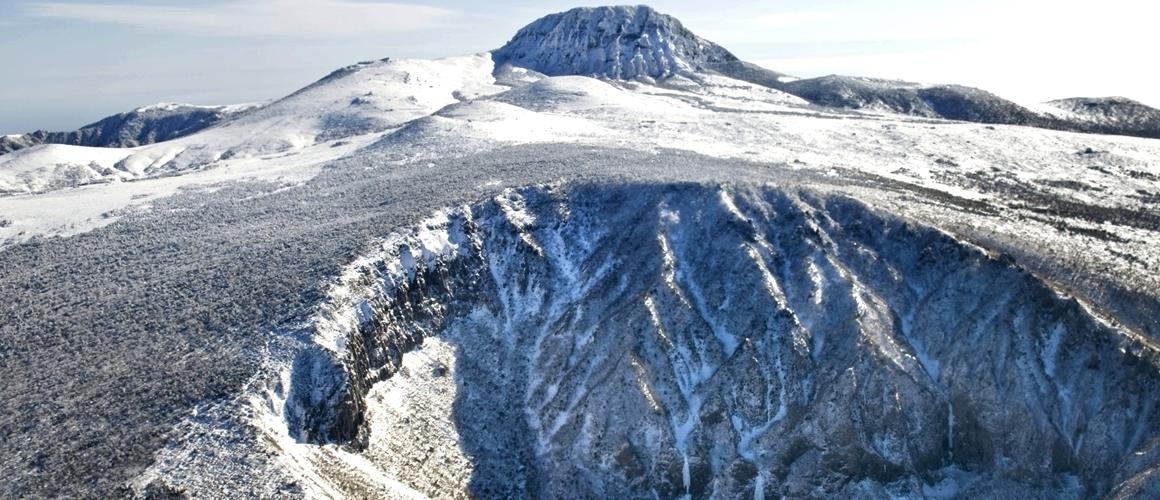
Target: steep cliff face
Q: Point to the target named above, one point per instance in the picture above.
(613, 42)
(636, 340)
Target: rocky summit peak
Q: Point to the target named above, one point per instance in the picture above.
(623, 42)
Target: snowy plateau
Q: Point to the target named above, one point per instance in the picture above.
(606, 260)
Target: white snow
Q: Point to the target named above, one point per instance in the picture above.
(174, 106)
(516, 211)
(82, 209)
(39, 167)
(255, 145)
(308, 463)
(1047, 108)
(1051, 349)
(453, 105)
(507, 123)
(437, 238)
(369, 98)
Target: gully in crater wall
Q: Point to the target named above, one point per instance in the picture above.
(627, 340)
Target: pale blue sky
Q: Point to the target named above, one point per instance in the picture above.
(70, 62)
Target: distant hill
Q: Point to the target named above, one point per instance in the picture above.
(1108, 115)
(146, 125)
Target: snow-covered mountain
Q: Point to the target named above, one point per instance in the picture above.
(621, 45)
(1108, 115)
(358, 100)
(606, 260)
(145, 125)
(953, 102)
(956, 102)
(624, 42)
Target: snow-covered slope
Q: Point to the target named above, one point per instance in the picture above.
(361, 99)
(358, 100)
(54, 166)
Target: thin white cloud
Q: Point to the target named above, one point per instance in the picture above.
(283, 18)
(794, 18)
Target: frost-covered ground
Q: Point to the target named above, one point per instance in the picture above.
(398, 106)
(159, 300)
(688, 338)
(1110, 183)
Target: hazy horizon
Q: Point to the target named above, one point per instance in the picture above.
(74, 62)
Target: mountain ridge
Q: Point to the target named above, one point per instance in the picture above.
(141, 126)
(638, 42)
(1109, 114)
(630, 42)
